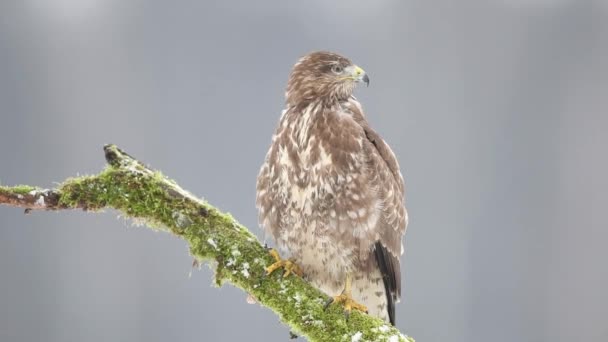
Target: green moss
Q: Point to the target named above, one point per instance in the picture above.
(212, 235)
(19, 189)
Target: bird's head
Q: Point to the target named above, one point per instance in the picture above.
(324, 76)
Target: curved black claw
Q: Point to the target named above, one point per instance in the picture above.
(328, 303)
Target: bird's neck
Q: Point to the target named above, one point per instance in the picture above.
(301, 99)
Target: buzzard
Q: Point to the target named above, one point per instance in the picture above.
(330, 192)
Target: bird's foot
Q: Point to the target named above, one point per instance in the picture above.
(289, 266)
(347, 302)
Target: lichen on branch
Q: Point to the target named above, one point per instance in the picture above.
(141, 193)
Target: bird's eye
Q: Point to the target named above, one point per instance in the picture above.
(337, 69)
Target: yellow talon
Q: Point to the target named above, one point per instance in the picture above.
(348, 303)
(288, 265)
(346, 299)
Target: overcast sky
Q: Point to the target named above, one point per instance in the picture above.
(496, 111)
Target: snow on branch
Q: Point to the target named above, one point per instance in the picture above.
(144, 194)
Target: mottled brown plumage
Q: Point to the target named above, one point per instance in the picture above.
(330, 192)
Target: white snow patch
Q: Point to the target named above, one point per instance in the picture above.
(20, 196)
(283, 289)
(309, 319)
(384, 328)
(32, 193)
(357, 337)
(393, 338)
(236, 253)
(132, 167)
(318, 323)
(181, 220)
(245, 270)
(319, 300)
(40, 201)
(245, 273)
(298, 299)
(231, 262)
(212, 243)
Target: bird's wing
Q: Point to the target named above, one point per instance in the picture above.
(386, 177)
(393, 219)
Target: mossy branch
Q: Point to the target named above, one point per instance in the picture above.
(132, 188)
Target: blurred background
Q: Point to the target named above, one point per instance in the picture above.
(496, 110)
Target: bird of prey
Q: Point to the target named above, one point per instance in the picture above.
(330, 192)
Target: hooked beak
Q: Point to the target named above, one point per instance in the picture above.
(358, 74)
(366, 80)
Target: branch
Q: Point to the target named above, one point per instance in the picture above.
(138, 192)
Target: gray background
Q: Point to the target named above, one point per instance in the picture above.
(496, 110)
